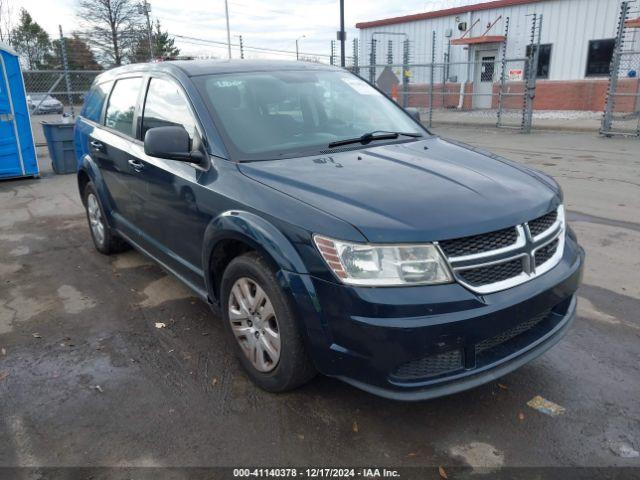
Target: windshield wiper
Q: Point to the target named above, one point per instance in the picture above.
(371, 136)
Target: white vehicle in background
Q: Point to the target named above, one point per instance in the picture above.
(41, 103)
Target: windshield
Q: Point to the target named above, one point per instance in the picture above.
(266, 115)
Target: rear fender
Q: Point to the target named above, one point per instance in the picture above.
(88, 166)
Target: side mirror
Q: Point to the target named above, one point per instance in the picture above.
(172, 143)
(414, 113)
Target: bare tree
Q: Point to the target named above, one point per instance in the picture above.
(6, 25)
(110, 27)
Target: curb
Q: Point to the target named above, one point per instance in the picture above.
(535, 127)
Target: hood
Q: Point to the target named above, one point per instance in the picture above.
(413, 192)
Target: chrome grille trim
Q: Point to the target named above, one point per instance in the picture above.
(557, 224)
(525, 248)
(520, 242)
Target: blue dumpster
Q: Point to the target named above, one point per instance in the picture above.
(17, 150)
(61, 146)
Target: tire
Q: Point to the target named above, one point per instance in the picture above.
(293, 367)
(104, 238)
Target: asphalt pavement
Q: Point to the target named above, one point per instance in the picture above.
(88, 379)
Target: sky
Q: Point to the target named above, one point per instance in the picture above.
(262, 23)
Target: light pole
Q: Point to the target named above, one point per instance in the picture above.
(226, 11)
(298, 51)
(145, 8)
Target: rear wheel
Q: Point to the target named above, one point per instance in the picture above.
(104, 238)
(261, 321)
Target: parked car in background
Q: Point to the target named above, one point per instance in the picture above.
(330, 228)
(41, 103)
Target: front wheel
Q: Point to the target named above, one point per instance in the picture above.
(258, 315)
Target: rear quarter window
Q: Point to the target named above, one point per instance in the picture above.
(94, 101)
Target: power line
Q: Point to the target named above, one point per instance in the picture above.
(247, 47)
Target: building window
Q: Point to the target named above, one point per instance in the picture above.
(599, 57)
(544, 59)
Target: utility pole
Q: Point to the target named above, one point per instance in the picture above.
(342, 35)
(145, 8)
(297, 50)
(226, 11)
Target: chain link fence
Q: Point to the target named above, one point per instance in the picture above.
(49, 92)
(489, 85)
(501, 90)
(622, 108)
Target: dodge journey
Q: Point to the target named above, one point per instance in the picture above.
(329, 229)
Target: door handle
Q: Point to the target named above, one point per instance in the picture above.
(96, 145)
(137, 165)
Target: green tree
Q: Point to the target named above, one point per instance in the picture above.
(79, 55)
(163, 45)
(30, 41)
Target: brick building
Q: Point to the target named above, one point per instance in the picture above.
(576, 47)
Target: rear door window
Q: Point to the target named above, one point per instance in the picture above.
(94, 102)
(122, 105)
(166, 106)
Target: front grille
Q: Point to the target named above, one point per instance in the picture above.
(459, 247)
(543, 223)
(546, 252)
(430, 366)
(513, 332)
(492, 273)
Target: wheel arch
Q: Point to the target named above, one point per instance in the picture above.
(236, 232)
(88, 171)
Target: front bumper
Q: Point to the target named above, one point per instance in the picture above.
(417, 343)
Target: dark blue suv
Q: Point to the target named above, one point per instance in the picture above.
(332, 231)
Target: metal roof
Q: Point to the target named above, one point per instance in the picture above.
(194, 68)
(444, 13)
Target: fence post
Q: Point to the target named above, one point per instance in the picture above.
(503, 71)
(356, 57)
(431, 80)
(65, 66)
(372, 62)
(405, 73)
(530, 90)
(607, 118)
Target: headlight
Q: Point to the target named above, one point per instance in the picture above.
(383, 265)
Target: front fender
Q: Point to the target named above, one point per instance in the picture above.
(255, 231)
(293, 275)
